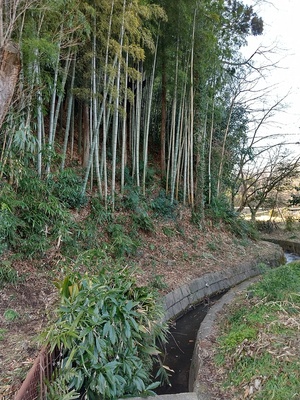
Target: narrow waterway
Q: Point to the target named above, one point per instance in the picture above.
(291, 257)
(180, 348)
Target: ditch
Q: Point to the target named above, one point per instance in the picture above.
(181, 342)
(180, 347)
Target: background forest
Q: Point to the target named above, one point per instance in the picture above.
(118, 91)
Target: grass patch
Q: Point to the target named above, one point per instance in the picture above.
(8, 275)
(212, 246)
(11, 315)
(259, 345)
(2, 333)
(168, 231)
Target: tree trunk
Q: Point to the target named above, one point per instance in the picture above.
(148, 114)
(10, 66)
(86, 135)
(163, 122)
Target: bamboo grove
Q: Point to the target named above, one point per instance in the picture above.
(117, 88)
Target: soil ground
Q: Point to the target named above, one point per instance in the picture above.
(174, 254)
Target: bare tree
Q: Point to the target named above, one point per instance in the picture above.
(259, 179)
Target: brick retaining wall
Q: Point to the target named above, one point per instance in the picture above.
(181, 299)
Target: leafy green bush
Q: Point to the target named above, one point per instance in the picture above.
(8, 274)
(2, 334)
(122, 244)
(163, 207)
(31, 216)
(133, 201)
(141, 220)
(131, 198)
(107, 329)
(9, 221)
(67, 187)
(220, 210)
(168, 231)
(11, 315)
(99, 213)
(45, 218)
(9, 224)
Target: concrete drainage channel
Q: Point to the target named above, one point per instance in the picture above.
(180, 300)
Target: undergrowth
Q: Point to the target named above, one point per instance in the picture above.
(220, 210)
(8, 275)
(36, 216)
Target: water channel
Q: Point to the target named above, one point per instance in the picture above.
(180, 347)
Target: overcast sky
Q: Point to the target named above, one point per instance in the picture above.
(282, 28)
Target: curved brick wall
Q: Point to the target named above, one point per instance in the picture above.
(179, 300)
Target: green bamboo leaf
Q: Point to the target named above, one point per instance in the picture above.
(112, 335)
(151, 350)
(127, 369)
(110, 378)
(102, 384)
(127, 329)
(100, 345)
(106, 328)
(153, 386)
(129, 305)
(134, 324)
(139, 384)
(112, 365)
(70, 358)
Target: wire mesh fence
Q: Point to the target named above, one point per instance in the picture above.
(34, 387)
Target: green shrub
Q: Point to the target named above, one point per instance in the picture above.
(122, 243)
(10, 223)
(99, 213)
(45, 218)
(220, 210)
(141, 220)
(157, 282)
(2, 334)
(31, 216)
(163, 207)
(8, 274)
(11, 315)
(131, 198)
(67, 187)
(169, 232)
(107, 329)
